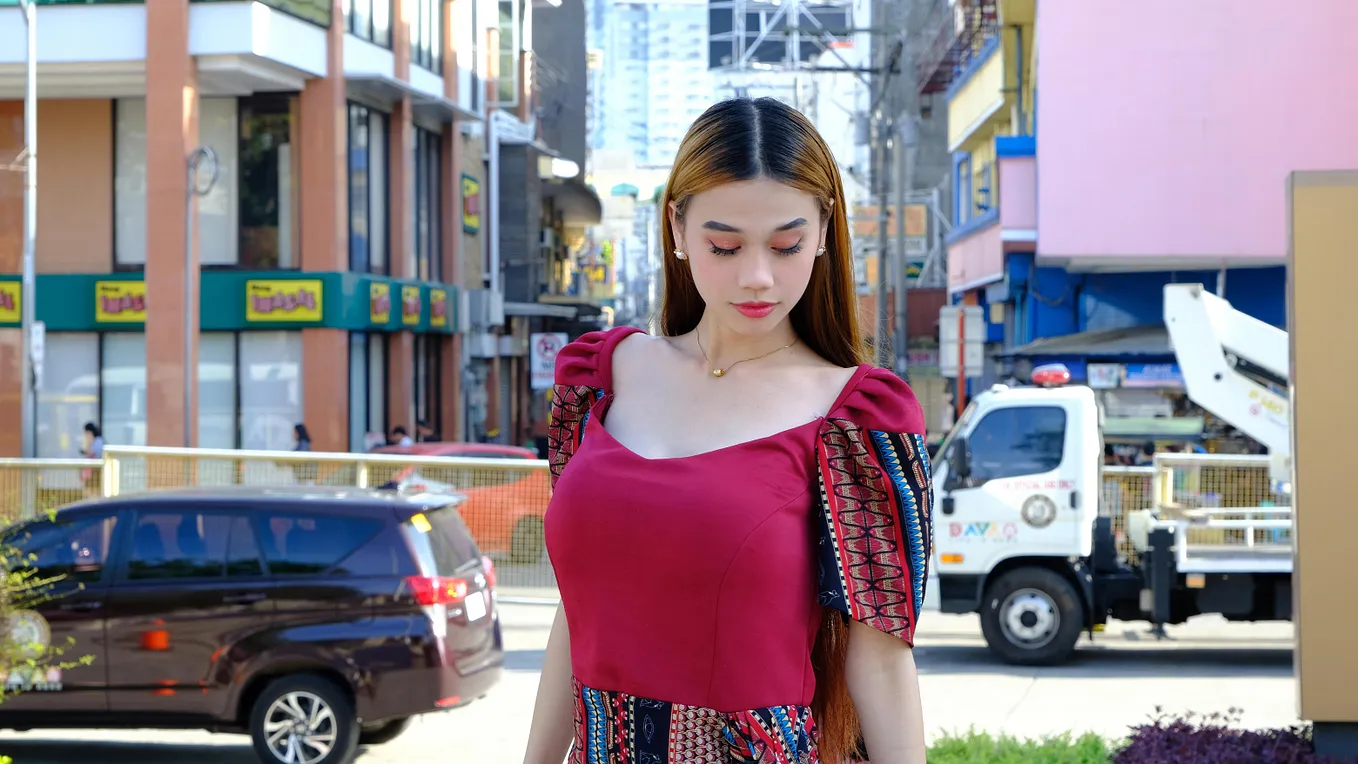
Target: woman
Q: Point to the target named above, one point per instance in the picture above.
(740, 519)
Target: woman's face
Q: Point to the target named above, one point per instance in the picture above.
(751, 247)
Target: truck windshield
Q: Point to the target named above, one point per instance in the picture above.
(963, 422)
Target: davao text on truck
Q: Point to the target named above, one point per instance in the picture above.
(1019, 535)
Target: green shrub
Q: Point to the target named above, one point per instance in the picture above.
(982, 748)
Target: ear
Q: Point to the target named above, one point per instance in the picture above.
(676, 225)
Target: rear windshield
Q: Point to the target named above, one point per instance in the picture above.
(442, 542)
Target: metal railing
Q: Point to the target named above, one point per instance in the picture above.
(504, 506)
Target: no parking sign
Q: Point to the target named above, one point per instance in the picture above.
(542, 350)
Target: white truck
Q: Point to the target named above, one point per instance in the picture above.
(1021, 539)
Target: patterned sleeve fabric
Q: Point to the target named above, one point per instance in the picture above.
(583, 371)
(876, 534)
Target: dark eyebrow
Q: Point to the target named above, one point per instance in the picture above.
(713, 225)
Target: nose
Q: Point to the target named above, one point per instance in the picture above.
(756, 272)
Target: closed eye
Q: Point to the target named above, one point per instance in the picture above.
(789, 251)
(722, 252)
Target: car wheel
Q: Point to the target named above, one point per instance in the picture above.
(383, 733)
(1032, 617)
(304, 719)
(527, 544)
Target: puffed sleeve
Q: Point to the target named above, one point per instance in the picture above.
(583, 372)
(876, 534)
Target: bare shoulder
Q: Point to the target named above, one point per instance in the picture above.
(821, 380)
(635, 354)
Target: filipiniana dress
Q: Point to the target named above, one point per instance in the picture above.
(694, 587)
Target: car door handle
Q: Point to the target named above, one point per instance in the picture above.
(241, 599)
(1074, 499)
(82, 606)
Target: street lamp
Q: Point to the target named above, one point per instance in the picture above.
(27, 290)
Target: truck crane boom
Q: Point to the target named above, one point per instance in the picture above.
(1236, 367)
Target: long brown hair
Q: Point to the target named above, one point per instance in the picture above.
(743, 139)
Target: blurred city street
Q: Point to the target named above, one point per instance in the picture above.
(1205, 666)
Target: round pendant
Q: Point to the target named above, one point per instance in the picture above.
(718, 372)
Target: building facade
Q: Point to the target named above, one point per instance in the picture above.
(336, 254)
(1153, 151)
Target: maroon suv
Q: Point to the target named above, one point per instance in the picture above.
(312, 619)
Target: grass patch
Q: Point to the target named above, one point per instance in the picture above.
(982, 748)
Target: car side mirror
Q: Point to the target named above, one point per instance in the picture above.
(959, 458)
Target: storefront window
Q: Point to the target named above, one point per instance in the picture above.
(270, 202)
(69, 395)
(367, 190)
(369, 20)
(122, 394)
(270, 375)
(367, 390)
(217, 390)
(428, 205)
(428, 377)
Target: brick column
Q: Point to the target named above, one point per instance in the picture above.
(171, 133)
(323, 149)
(451, 182)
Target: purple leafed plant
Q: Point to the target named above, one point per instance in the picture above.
(1216, 739)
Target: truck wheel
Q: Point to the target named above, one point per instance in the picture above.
(1031, 617)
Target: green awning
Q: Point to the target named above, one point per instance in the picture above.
(625, 189)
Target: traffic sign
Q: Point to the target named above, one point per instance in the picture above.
(956, 337)
(542, 350)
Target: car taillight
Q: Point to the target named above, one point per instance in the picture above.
(490, 571)
(437, 590)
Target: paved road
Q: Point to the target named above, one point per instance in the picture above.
(1118, 681)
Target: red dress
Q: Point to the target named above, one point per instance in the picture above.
(694, 586)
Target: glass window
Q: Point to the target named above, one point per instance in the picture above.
(428, 403)
(367, 190)
(446, 547)
(428, 204)
(270, 375)
(178, 545)
(217, 390)
(358, 391)
(367, 390)
(73, 549)
(426, 36)
(69, 396)
(270, 173)
(242, 549)
(218, 210)
(377, 384)
(507, 63)
(122, 395)
(302, 544)
(369, 20)
(1021, 440)
(129, 181)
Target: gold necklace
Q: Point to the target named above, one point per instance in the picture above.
(722, 372)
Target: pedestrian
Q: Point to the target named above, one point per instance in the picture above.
(304, 472)
(91, 447)
(740, 525)
(399, 436)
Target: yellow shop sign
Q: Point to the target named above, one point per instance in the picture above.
(11, 295)
(283, 301)
(120, 302)
(379, 303)
(438, 308)
(410, 305)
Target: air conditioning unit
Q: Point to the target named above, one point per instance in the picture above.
(485, 309)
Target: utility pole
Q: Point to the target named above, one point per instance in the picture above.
(881, 342)
(907, 140)
(27, 287)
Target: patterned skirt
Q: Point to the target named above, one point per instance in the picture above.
(617, 728)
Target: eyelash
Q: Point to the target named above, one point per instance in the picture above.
(789, 252)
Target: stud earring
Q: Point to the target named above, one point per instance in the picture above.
(679, 253)
(820, 251)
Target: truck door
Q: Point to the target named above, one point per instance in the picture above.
(1023, 491)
